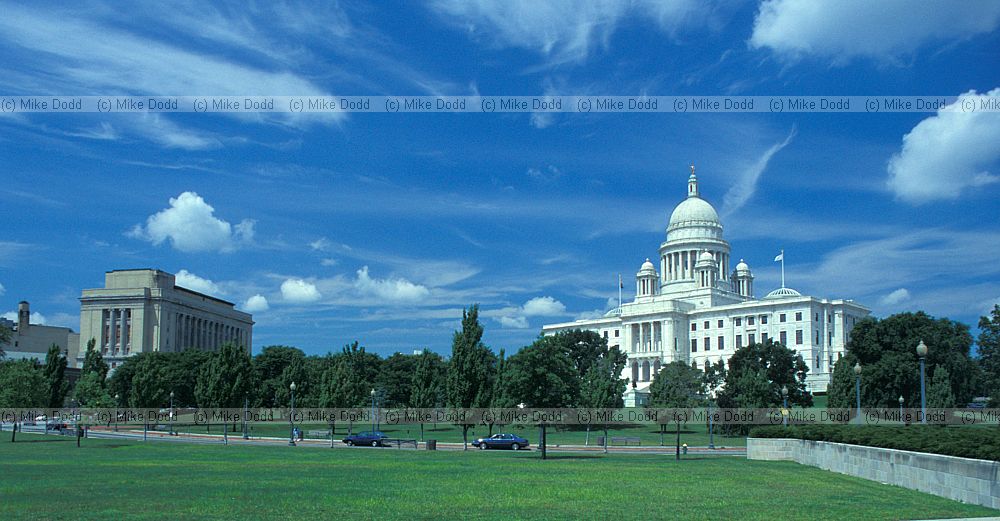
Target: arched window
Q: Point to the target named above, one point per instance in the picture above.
(645, 371)
(656, 367)
(635, 372)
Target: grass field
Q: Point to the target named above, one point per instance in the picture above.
(49, 477)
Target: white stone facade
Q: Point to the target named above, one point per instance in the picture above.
(699, 310)
(143, 310)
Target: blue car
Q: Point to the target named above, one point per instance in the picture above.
(372, 438)
(501, 441)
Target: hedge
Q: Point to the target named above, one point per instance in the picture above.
(965, 442)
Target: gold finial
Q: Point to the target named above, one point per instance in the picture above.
(692, 169)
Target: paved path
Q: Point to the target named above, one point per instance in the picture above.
(237, 439)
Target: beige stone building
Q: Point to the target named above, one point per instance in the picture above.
(143, 310)
(34, 340)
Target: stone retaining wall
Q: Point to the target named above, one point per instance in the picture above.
(963, 479)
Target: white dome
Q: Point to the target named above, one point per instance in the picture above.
(783, 293)
(647, 266)
(693, 211)
(706, 256)
(742, 266)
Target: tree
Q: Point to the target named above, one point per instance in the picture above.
(90, 391)
(840, 392)
(427, 382)
(5, 336)
(396, 378)
(543, 375)
(350, 377)
(988, 345)
(677, 385)
(603, 386)
(22, 385)
(939, 392)
(94, 362)
(470, 371)
(226, 379)
(268, 367)
(782, 367)
(55, 376)
(886, 350)
(500, 396)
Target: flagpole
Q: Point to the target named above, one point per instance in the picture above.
(782, 268)
(620, 283)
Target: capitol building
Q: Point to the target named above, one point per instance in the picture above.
(694, 306)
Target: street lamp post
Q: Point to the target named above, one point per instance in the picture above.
(171, 418)
(711, 426)
(291, 417)
(901, 408)
(246, 412)
(373, 412)
(116, 411)
(922, 353)
(784, 401)
(857, 387)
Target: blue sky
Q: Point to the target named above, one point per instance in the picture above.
(381, 227)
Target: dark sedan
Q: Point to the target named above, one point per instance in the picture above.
(373, 438)
(501, 441)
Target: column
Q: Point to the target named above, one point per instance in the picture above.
(124, 329)
(113, 323)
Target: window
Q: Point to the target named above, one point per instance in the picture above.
(706, 324)
(749, 321)
(816, 317)
(817, 363)
(763, 338)
(798, 315)
(694, 326)
(829, 342)
(707, 343)
(739, 321)
(781, 317)
(694, 345)
(763, 319)
(720, 323)
(817, 337)
(798, 337)
(739, 341)
(616, 333)
(722, 343)
(783, 338)
(605, 335)
(751, 338)
(829, 361)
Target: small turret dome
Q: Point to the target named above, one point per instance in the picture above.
(646, 266)
(742, 266)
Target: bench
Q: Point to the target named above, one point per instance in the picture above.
(319, 433)
(621, 440)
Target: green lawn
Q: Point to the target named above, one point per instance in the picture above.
(44, 477)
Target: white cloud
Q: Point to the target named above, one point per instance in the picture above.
(186, 279)
(255, 304)
(392, 290)
(561, 30)
(589, 315)
(2, 289)
(299, 291)
(321, 244)
(35, 318)
(947, 153)
(513, 322)
(328, 262)
(191, 226)
(896, 297)
(548, 174)
(543, 307)
(883, 30)
(744, 188)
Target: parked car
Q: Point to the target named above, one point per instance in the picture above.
(373, 438)
(501, 441)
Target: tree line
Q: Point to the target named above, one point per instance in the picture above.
(568, 369)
